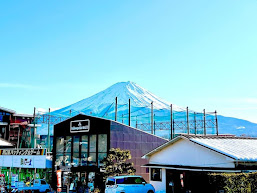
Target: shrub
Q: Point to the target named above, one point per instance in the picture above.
(235, 182)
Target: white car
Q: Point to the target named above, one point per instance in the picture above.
(127, 184)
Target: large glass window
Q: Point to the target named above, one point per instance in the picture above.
(101, 156)
(92, 159)
(59, 159)
(92, 146)
(59, 144)
(84, 143)
(102, 147)
(67, 158)
(84, 150)
(84, 157)
(76, 159)
(102, 143)
(68, 143)
(92, 150)
(76, 145)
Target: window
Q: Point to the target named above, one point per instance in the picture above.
(92, 159)
(67, 158)
(76, 144)
(84, 143)
(76, 159)
(130, 180)
(84, 157)
(110, 182)
(68, 143)
(102, 147)
(92, 150)
(59, 159)
(102, 143)
(59, 144)
(156, 174)
(84, 150)
(92, 146)
(43, 182)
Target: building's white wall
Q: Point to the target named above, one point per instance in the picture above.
(160, 186)
(184, 152)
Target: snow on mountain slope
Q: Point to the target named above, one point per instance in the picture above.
(102, 104)
(124, 91)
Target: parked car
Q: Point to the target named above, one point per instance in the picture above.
(39, 185)
(128, 184)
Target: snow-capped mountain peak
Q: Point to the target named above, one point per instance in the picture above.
(139, 97)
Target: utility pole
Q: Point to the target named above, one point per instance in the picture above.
(204, 124)
(129, 113)
(116, 104)
(48, 137)
(171, 122)
(216, 119)
(195, 122)
(154, 128)
(35, 130)
(152, 117)
(173, 129)
(188, 132)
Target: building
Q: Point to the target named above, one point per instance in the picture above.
(183, 163)
(81, 142)
(24, 164)
(16, 128)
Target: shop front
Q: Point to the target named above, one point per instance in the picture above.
(82, 142)
(24, 165)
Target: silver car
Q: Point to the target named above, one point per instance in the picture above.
(127, 184)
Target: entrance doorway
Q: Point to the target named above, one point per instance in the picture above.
(174, 181)
(82, 181)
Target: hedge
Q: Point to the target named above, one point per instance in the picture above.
(235, 182)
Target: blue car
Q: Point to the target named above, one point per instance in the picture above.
(128, 184)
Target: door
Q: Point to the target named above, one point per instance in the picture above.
(173, 182)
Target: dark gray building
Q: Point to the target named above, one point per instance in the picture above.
(81, 142)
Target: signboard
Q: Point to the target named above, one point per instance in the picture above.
(2, 182)
(14, 180)
(59, 180)
(80, 126)
(23, 158)
(22, 151)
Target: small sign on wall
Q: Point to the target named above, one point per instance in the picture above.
(80, 126)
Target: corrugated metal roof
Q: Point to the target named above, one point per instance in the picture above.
(238, 148)
(23, 115)
(7, 110)
(4, 143)
(241, 149)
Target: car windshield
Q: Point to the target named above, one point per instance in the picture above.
(130, 180)
(110, 181)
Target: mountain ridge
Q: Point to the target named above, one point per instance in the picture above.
(102, 104)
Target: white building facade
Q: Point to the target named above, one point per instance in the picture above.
(182, 164)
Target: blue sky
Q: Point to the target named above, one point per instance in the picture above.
(200, 54)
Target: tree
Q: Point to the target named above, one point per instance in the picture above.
(116, 163)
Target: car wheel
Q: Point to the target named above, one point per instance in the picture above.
(150, 191)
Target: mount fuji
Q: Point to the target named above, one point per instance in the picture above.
(103, 105)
